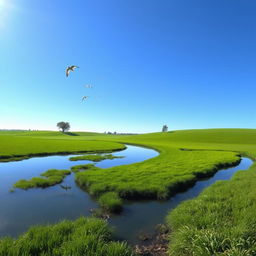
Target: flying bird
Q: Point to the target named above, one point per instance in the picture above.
(88, 86)
(85, 97)
(70, 68)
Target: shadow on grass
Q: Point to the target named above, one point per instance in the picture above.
(71, 134)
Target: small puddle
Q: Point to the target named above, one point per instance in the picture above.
(141, 217)
(21, 209)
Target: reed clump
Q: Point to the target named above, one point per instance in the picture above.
(110, 202)
(84, 236)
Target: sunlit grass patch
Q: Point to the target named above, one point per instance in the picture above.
(157, 178)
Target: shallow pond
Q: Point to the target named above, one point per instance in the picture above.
(21, 209)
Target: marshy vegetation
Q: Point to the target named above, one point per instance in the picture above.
(110, 202)
(82, 167)
(157, 178)
(49, 178)
(85, 236)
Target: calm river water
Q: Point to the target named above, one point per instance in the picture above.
(21, 209)
(24, 208)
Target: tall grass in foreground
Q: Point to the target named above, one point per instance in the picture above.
(220, 221)
(83, 237)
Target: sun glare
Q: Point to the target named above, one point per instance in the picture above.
(5, 6)
(3, 3)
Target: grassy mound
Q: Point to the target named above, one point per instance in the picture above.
(52, 177)
(110, 202)
(85, 236)
(82, 167)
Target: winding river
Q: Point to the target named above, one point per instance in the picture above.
(21, 209)
(24, 208)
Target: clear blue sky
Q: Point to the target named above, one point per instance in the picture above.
(184, 63)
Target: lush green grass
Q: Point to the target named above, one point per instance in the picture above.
(82, 167)
(221, 221)
(94, 158)
(85, 236)
(159, 177)
(21, 145)
(54, 172)
(50, 178)
(110, 202)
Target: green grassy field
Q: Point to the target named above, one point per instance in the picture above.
(21, 145)
(221, 221)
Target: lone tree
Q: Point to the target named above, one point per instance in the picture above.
(64, 126)
(165, 128)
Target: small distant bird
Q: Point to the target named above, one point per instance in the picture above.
(70, 68)
(85, 97)
(88, 86)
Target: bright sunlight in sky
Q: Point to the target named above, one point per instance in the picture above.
(5, 9)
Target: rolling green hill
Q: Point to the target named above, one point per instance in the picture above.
(20, 145)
